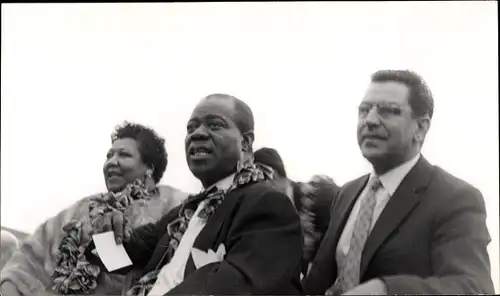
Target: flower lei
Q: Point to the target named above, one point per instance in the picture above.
(247, 173)
(73, 273)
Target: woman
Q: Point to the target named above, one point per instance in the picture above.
(50, 261)
(311, 199)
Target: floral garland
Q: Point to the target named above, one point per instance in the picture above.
(247, 173)
(73, 273)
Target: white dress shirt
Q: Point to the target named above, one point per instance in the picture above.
(390, 182)
(172, 273)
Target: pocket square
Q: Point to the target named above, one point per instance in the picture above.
(201, 258)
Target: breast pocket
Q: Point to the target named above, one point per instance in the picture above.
(403, 253)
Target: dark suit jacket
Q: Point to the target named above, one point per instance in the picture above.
(261, 232)
(431, 237)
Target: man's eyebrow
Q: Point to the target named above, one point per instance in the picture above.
(214, 116)
(379, 103)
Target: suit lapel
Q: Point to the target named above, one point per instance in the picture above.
(190, 267)
(344, 205)
(324, 268)
(400, 205)
(208, 238)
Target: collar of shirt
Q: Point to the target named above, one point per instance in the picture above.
(391, 179)
(289, 192)
(223, 184)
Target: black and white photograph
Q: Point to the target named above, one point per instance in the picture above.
(249, 148)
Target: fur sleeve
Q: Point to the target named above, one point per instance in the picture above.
(31, 267)
(142, 212)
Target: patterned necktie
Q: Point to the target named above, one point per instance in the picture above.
(349, 265)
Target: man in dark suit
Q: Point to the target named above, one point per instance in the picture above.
(408, 227)
(239, 236)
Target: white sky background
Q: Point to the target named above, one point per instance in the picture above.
(71, 72)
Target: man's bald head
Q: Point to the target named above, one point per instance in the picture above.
(243, 115)
(221, 127)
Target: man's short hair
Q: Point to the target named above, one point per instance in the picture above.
(420, 98)
(270, 157)
(243, 116)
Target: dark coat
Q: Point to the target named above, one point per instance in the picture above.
(261, 232)
(431, 238)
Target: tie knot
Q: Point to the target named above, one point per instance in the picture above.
(209, 190)
(375, 183)
(212, 190)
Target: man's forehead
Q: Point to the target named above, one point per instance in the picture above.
(214, 106)
(389, 91)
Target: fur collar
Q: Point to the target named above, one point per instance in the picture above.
(305, 196)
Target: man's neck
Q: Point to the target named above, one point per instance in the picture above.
(383, 166)
(209, 183)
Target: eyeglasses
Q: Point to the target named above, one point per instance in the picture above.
(383, 110)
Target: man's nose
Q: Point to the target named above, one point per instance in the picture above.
(372, 119)
(200, 134)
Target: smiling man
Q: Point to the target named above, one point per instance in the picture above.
(408, 227)
(238, 236)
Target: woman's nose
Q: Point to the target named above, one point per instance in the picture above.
(112, 161)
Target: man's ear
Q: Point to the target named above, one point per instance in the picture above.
(248, 139)
(423, 125)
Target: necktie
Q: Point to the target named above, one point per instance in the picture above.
(349, 265)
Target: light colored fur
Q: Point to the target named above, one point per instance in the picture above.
(31, 267)
(8, 245)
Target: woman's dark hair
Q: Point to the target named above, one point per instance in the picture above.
(151, 146)
(272, 158)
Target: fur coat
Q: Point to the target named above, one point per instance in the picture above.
(312, 200)
(31, 267)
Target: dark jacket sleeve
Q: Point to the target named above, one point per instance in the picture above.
(143, 240)
(459, 255)
(140, 245)
(264, 251)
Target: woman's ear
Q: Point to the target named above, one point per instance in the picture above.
(149, 179)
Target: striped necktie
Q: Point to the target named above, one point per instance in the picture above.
(349, 265)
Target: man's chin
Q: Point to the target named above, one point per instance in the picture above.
(373, 155)
(201, 171)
